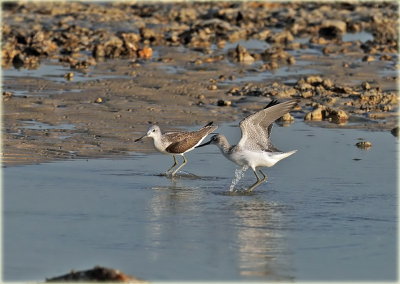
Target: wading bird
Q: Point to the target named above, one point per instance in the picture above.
(177, 142)
(255, 148)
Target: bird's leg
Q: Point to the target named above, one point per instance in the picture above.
(258, 182)
(264, 176)
(175, 163)
(184, 163)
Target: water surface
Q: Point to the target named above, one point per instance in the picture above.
(327, 212)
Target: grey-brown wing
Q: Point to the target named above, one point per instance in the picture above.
(183, 141)
(256, 127)
(180, 146)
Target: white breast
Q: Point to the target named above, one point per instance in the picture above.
(160, 146)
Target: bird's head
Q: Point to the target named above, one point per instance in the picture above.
(153, 131)
(215, 139)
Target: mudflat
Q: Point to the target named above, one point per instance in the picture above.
(84, 80)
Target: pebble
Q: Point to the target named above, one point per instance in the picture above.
(386, 57)
(364, 145)
(69, 76)
(368, 58)
(291, 60)
(145, 53)
(7, 95)
(224, 103)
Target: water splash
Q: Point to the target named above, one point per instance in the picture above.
(239, 173)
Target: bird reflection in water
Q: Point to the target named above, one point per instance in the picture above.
(260, 240)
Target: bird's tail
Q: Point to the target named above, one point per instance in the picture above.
(210, 127)
(287, 154)
(280, 156)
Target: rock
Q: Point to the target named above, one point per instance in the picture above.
(145, 53)
(327, 84)
(237, 35)
(303, 86)
(269, 66)
(286, 118)
(212, 87)
(386, 57)
(291, 60)
(149, 35)
(335, 115)
(98, 51)
(327, 113)
(221, 43)
(7, 95)
(316, 114)
(375, 98)
(365, 86)
(368, 58)
(286, 92)
(330, 100)
(234, 91)
(364, 145)
(395, 131)
(307, 94)
(99, 100)
(283, 37)
(263, 34)
(274, 54)
(332, 29)
(69, 76)
(240, 54)
(224, 103)
(314, 80)
(321, 41)
(186, 15)
(8, 53)
(131, 43)
(96, 274)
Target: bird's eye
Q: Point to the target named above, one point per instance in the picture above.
(154, 130)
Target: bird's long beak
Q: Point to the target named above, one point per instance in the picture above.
(204, 144)
(136, 140)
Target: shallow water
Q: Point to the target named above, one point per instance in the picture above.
(327, 212)
(33, 124)
(53, 71)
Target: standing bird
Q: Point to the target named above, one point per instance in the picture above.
(255, 148)
(177, 142)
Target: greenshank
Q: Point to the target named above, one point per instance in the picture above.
(255, 148)
(177, 142)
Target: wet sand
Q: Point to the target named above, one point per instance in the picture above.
(80, 86)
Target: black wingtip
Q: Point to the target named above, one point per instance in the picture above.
(272, 103)
(209, 124)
